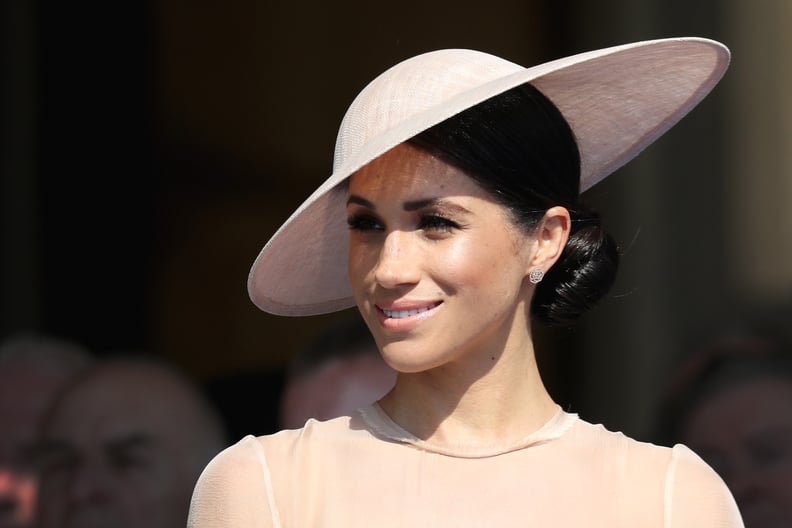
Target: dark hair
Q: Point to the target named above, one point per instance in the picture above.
(518, 147)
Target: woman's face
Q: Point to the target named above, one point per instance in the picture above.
(437, 268)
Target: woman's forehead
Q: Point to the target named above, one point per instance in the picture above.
(406, 169)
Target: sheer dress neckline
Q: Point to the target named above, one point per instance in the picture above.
(382, 425)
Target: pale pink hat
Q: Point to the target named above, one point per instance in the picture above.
(617, 100)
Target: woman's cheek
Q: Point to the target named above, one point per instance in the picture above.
(357, 263)
(464, 263)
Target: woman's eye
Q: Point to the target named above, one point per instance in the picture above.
(437, 223)
(363, 223)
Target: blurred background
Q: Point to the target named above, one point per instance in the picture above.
(150, 148)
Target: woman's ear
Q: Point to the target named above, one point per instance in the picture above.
(551, 235)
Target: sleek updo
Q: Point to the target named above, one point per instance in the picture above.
(518, 147)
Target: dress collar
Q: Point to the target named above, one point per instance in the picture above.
(382, 425)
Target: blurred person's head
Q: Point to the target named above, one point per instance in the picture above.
(733, 406)
(32, 369)
(334, 374)
(124, 445)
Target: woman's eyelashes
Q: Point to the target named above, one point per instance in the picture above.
(363, 222)
(431, 223)
(438, 223)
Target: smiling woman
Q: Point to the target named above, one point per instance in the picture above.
(430, 263)
(458, 176)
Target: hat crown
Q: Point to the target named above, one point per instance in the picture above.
(417, 85)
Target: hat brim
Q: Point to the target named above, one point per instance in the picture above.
(617, 101)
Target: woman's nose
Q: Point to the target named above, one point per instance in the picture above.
(398, 262)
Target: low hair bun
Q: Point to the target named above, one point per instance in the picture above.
(582, 275)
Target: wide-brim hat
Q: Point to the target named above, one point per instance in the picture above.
(617, 101)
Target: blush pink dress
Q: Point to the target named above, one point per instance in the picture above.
(366, 471)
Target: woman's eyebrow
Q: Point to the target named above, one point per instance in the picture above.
(355, 199)
(412, 205)
(439, 203)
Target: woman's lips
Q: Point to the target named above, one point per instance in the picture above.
(400, 314)
(403, 318)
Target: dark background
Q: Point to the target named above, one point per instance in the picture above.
(151, 148)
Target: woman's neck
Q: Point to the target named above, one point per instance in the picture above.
(472, 403)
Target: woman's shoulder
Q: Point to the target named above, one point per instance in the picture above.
(629, 449)
(597, 436)
(242, 465)
(312, 433)
(697, 493)
(230, 489)
(626, 459)
(693, 494)
(236, 487)
(617, 457)
(249, 456)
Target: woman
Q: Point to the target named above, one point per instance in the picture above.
(452, 220)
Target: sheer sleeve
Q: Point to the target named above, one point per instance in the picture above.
(234, 490)
(696, 497)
